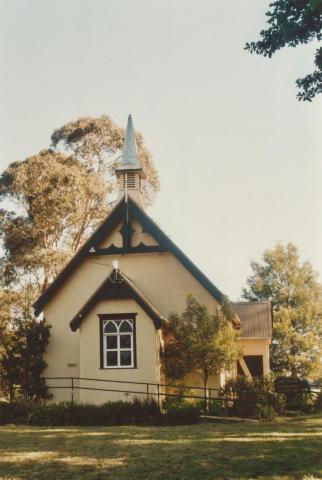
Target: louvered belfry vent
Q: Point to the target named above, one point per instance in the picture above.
(129, 180)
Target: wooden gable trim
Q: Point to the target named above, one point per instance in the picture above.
(116, 286)
(97, 237)
(126, 211)
(113, 250)
(153, 229)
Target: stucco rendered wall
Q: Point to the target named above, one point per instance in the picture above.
(147, 352)
(62, 353)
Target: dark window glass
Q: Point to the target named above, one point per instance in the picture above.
(111, 342)
(110, 327)
(254, 364)
(126, 326)
(111, 359)
(126, 357)
(125, 341)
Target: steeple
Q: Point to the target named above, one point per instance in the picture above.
(129, 172)
(129, 151)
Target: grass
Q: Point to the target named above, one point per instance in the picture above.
(286, 449)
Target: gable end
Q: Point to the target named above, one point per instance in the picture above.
(127, 211)
(117, 286)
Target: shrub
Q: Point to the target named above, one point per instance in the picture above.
(318, 402)
(138, 412)
(213, 406)
(302, 402)
(15, 412)
(242, 396)
(181, 413)
(54, 414)
(265, 412)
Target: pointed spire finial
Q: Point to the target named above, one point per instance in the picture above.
(129, 151)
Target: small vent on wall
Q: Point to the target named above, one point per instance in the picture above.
(129, 180)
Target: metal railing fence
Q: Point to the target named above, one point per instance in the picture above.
(159, 390)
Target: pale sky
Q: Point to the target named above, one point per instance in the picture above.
(239, 157)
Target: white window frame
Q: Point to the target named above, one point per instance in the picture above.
(118, 349)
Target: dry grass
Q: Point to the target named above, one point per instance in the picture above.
(288, 449)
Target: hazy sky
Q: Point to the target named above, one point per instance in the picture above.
(239, 157)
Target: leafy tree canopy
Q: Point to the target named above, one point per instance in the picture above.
(199, 342)
(96, 142)
(296, 295)
(59, 196)
(294, 22)
(57, 202)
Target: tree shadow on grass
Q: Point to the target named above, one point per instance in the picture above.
(210, 451)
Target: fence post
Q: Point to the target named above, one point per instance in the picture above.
(72, 390)
(147, 391)
(278, 403)
(158, 387)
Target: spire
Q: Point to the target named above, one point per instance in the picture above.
(129, 171)
(129, 150)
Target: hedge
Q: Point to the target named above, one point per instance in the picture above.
(137, 412)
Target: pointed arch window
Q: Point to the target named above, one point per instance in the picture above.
(118, 341)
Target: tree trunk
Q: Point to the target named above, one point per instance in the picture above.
(206, 391)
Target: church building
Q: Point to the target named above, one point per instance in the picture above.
(107, 306)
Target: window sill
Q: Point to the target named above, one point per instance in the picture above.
(118, 368)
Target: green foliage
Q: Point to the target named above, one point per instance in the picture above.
(296, 296)
(265, 412)
(213, 406)
(181, 413)
(22, 360)
(96, 142)
(15, 412)
(301, 402)
(58, 197)
(244, 397)
(291, 23)
(138, 412)
(58, 203)
(199, 342)
(318, 402)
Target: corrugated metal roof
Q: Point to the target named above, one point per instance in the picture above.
(256, 319)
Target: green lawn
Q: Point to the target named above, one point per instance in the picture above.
(287, 449)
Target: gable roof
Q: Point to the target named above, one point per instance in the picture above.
(126, 210)
(117, 286)
(256, 319)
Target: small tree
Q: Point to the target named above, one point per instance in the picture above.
(199, 342)
(22, 360)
